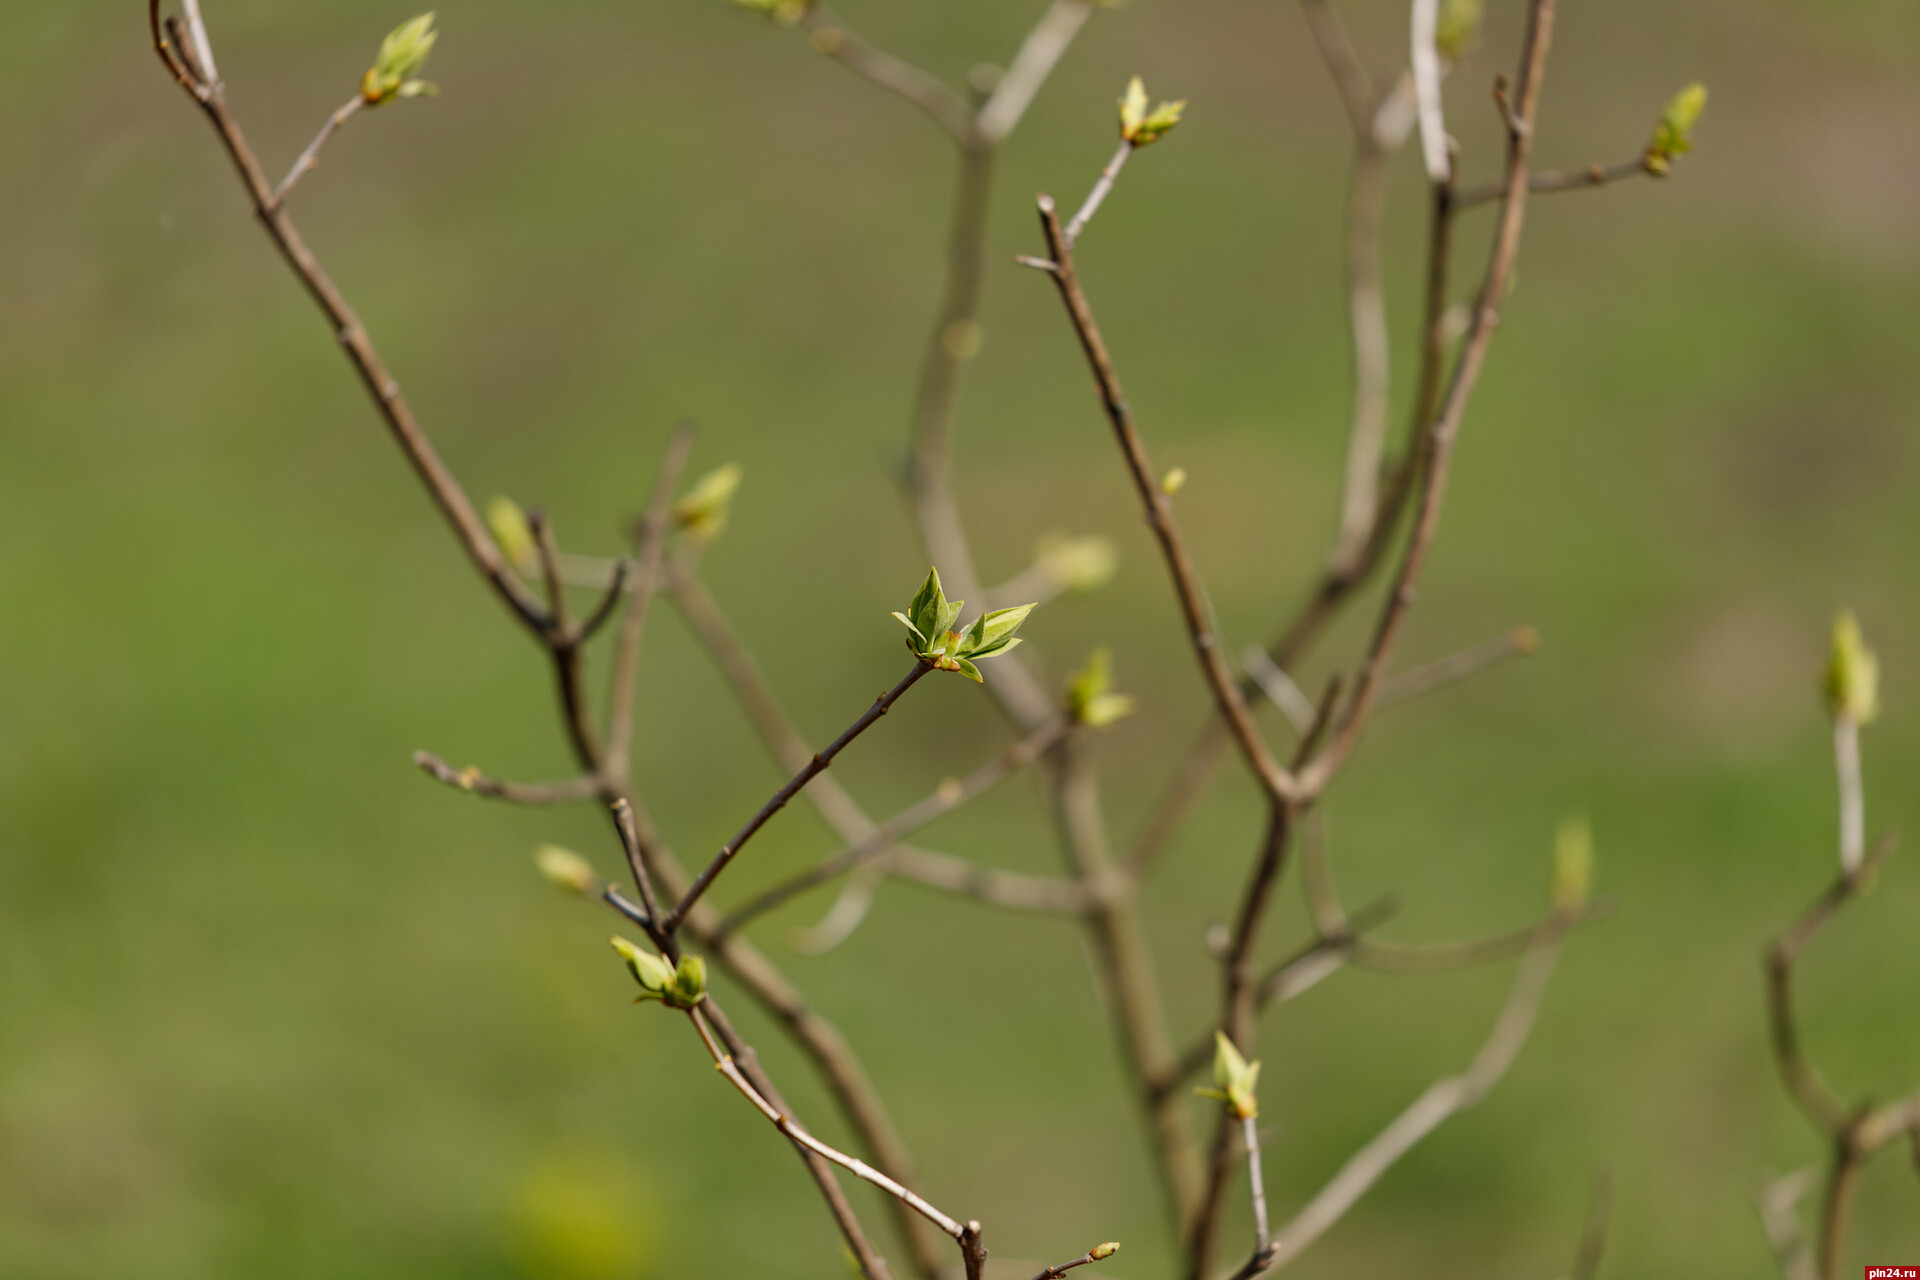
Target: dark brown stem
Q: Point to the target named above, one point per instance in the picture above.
(973, 1251)
(778, 800)
(1446, 427)
(1158, 508)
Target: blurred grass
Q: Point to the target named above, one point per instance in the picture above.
(271, 1005)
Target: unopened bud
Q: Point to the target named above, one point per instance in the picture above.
(1572, 881)
(1174, 481)
(566, 870)
(1853, 673)
(508, 524)
(1102, 1251)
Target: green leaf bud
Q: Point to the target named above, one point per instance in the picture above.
(1077, 564)
(1090, 697)
(1140, 126)
(1852, 681)
(1174, 481)
(401, 56)
(1101, 1252)
(566, 870)
(508, 524)
(654, 975)
(1236, 1077)
(1456, 32)
(1673, 134)
(702, 513)
(1572, 882)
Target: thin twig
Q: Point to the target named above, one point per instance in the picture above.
(202, 47)
(471, 779)
(944, 799)
(650, 542)
(1412, 683)
(609, 601)
(1446, 427)
(1059, 1269)
(859, 1168)
(310, 158)
(1426, 82)
(991, 885)
(1035, 61)
(778, 800)
(1096, 197)
(1278, 782)
(1442, 1099)
(831, 37)
(1552, 180)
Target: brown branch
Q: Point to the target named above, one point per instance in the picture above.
(471, 779)
(1445, 429)
(778, 800)
(973, 1251)
(831, 37)
(354, 340)
(1278, 782)
(650, 541)
(1552, 180)
(1337, 584)
(1091, 1256)
(1809, 1088)
(944, 799)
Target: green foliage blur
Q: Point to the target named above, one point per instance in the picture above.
(274, 1005)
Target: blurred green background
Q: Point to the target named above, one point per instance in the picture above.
(271, 1004)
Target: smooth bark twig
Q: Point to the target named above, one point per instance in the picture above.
(571, 791)
(311, 156)
(650, 541)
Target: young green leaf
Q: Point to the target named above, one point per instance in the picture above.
(654, 975)
(1673, 134)
(566, 870)
(993, 632)
(928, 604)
(401, 56)
(1236, 1077)
(1090, 697)
(966, 669)
(1140, 126)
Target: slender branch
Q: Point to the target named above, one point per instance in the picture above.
(1337, 585)
(1445, 429)
(1256, 1183)
(990, 885)
(310, 158)
(650, 543)
(1442, 1099)
(1343, 61)
(1278, 782)
(1552, 180)
(1809, 1088)
(831, 37)
(1096, 197)
(471, 779)
(1853, 804)
(973, 1251)
(859, 1168)
(354, 340)
(1059, 1269)
(1520, 642)
(202, 47)
(1294, 705)
(778, 800)
(1038, 55)
(945, 798)
(1836, 1210)
(603, 611)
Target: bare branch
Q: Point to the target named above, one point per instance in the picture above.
(1552, 180)
(311, 156)
(948, 796)
(1343, 60)
(470, 779)
(354, 340)
(650, 543)
(778, 800)
(831, 37)
(1097, 1254)
(1159, 513)
(609, 601)
(1804, 1081)
(990, 885)
(1098, 195)
(1445, 429)
(1038, 55)
(1442, 1099)
(1520, 642)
